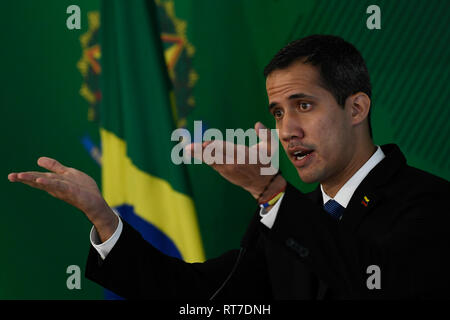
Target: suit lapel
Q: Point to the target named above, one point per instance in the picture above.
(361, 204)
(366, 197)
(368, 194)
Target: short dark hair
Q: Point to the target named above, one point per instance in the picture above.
(341, 67)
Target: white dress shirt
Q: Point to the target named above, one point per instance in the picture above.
(343, 197)
(104, 248)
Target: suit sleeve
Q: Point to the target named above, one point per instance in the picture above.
(134, 269)
(412, 253)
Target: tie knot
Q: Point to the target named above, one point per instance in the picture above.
(334, 209)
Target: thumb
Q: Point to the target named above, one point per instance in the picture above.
(259, 126)
(268, 143)
(263, 133)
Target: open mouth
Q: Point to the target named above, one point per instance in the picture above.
(299, 155)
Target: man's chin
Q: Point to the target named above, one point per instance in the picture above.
(307, 177)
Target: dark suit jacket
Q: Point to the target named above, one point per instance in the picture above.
(402, 229)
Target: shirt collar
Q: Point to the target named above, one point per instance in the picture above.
(344, 194)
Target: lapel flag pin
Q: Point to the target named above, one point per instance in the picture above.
(365, 201)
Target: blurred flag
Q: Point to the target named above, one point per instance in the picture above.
(138, 176)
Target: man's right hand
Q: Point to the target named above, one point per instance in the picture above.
(75, 188)
(247, 176)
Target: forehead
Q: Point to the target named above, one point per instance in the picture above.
(298, 76)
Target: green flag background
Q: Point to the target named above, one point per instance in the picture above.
(138, 177)
(217, 78)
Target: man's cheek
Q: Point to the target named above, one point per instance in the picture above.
(324, 138)
(323, 124)
(327, 129)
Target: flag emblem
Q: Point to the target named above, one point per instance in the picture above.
(365, 201)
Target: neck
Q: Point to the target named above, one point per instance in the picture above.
(335, 183)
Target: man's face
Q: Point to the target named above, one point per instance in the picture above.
(315, 131)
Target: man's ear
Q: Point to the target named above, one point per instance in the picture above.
(359, 105)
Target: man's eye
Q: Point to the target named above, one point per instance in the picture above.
(278, 113)
(304, 106)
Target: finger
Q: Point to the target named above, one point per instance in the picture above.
(195, 149)
(259, 125)
(32, 184)
(206, 143)
(56, 188)
(190, 147)
(53, 185)
(51, 164)
(12, 177)
(262, 132)
(213, 152)
(269, 144)
(265, 135)
(33, 175)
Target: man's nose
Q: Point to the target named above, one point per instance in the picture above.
(290, 127)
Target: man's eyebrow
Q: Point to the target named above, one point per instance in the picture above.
(293, 97)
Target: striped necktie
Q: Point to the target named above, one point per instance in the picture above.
(334, 209)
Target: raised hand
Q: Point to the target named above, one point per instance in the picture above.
(73, 187)
(246, 174)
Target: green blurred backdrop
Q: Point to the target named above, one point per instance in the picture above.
(43, 113)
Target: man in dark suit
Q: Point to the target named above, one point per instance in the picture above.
(374, 228)
(308, 254)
